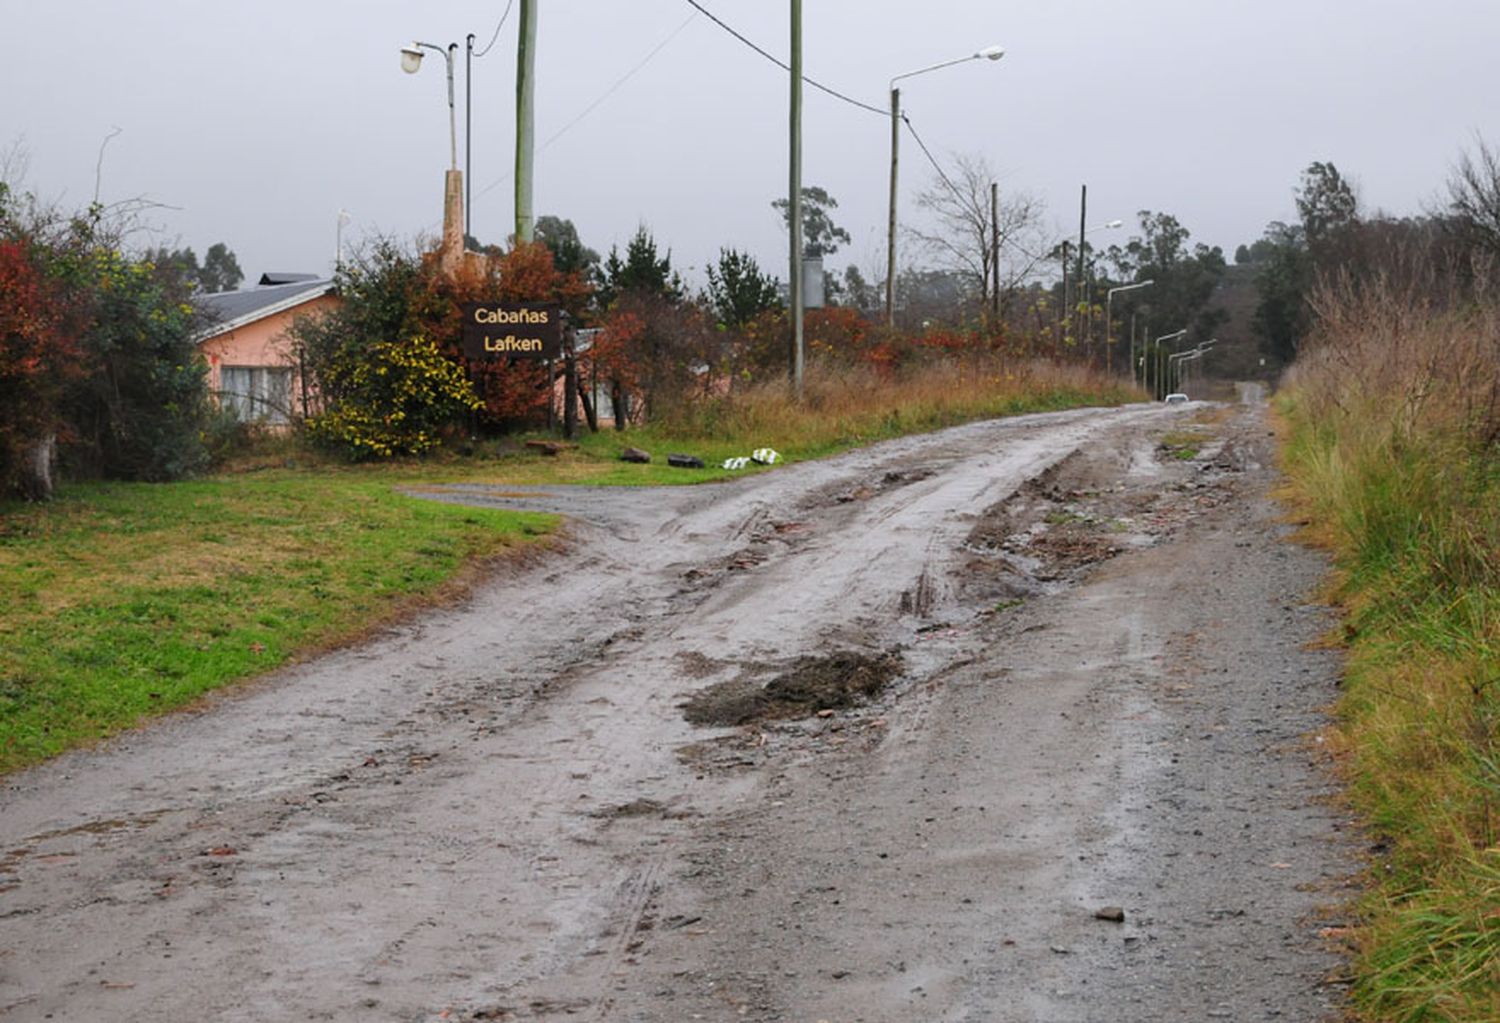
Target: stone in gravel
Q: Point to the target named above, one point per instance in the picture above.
(1114, 914)
(635, 455)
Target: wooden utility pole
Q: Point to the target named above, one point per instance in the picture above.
(995, 253)
(794, 197)
(1083, 212)
(525, 126)
(890, 230)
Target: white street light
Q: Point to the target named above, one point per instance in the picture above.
(1184, 356)
(411, 63)
(1155, 358)
(988, 53)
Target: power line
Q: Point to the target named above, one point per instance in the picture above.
(627, 76)
(490, 45)
(781, 64)
(930, 158)
(622, 80)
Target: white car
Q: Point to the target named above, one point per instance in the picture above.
(1176, 398)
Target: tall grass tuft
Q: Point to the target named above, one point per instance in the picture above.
(1394, 409)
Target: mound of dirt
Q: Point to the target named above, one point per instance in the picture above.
(810, 685)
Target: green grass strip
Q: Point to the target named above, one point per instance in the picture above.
(124, 600)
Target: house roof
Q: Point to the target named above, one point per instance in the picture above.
(233, 309)
(284, 278)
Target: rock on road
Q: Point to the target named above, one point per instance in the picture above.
(1012, 722)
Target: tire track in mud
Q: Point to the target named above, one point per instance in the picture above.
(429, 824)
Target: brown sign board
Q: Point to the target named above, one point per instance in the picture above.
(511, 330)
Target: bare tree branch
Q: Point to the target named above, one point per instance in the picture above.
(960, 234)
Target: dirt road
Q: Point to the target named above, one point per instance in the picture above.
(870, 739)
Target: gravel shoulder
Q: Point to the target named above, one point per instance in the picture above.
(951, 696)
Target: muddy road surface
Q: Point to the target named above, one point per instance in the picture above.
(1013, 722)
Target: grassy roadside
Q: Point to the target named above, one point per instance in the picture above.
(839, 411)
(126, 600)
(1392, 455)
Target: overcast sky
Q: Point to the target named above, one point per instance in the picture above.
(256, 122)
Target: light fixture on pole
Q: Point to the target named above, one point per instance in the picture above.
(988, 53)
(1194, 355)
(1156, 359)
(1109, 322)
(411, 63)
(1174, 373)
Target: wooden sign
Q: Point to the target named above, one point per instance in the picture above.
(511, 330)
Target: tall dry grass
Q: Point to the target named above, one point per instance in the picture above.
(842, 405)
(1395, 409)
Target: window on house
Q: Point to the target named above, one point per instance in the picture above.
(256, 393)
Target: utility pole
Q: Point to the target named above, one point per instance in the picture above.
(1083, 212)
(890, 230)
(794, 194)
(1062, 307)
(525, 127)
(995, 252)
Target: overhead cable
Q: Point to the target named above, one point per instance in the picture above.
(782, 64)
(490, 45)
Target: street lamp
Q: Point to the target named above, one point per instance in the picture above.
(1155, 350)
(1195, 355)
(988, 53)
(1109, 322)
(1185, 356)
(411, 63)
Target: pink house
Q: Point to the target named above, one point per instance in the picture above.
(251, 368)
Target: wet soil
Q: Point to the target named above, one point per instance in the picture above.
(812, 686)
(878, 738)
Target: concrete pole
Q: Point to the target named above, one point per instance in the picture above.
(468, 137)
(525, 127)
(794, 195)
(890, 231)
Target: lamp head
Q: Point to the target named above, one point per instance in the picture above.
(1114, 224)
(991, 53)
(411, 59)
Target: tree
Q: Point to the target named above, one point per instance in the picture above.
(221, 270)
(1474, 199)
(820, 235)
(737, 290)
(1283, 276)
(1326, 203)
(38, 360)
(569, 254)
(120, 382)
(1185, 276)
(962, 238)
(182, 262)
(140, 410)
(392, 296)
(642, 271)
(857, 293)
